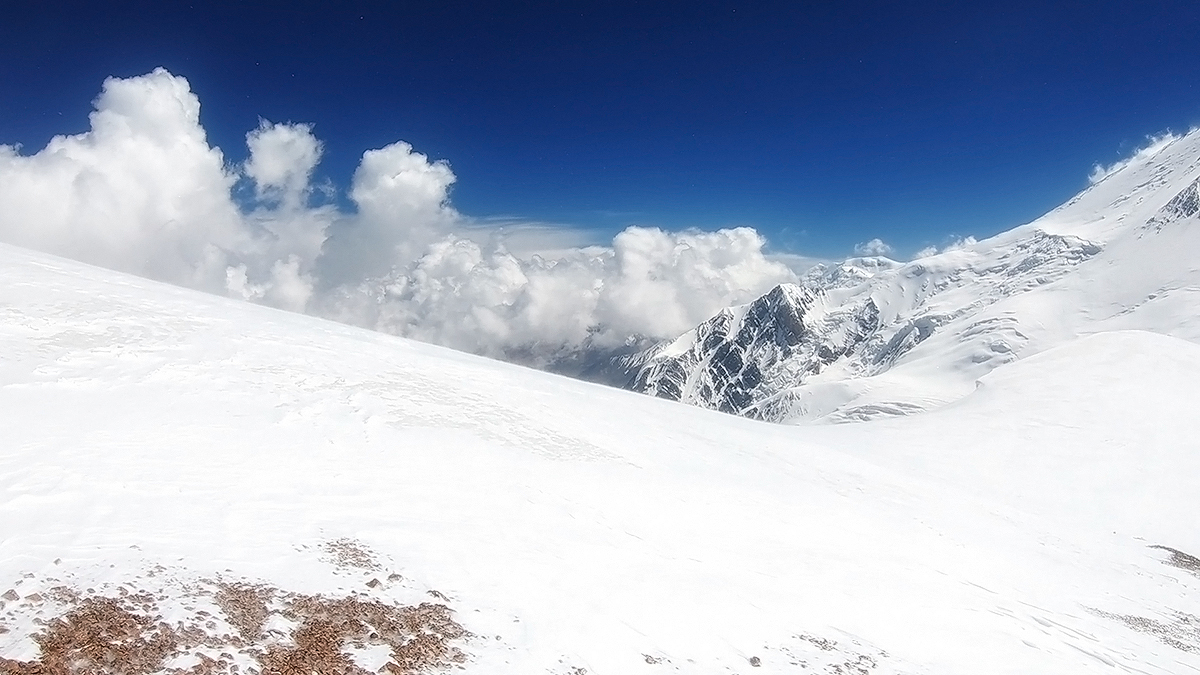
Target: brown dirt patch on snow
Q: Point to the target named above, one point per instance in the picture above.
(125, 635)
(100, 635)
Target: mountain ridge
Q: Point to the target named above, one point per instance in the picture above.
(860, 323)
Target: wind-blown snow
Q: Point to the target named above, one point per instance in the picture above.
(153, 436)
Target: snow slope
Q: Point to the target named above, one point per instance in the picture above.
(873, 338)
(159, 440)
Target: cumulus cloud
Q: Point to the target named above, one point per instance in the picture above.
(143, 192)
(282, 159)
(873, 247)
(403, 208)
(648, 283)
(960, 244)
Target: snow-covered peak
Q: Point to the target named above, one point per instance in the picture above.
(710, 362)
(1129, 193)
(883, 338)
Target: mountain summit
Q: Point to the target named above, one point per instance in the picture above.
(873, 337)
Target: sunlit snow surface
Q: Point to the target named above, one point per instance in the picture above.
(162, 439)
(873, 338)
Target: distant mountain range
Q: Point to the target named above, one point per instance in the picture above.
(871, 337)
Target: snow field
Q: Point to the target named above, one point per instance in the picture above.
(574, 527)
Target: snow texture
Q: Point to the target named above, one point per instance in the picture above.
(196, 484)
(227, 471)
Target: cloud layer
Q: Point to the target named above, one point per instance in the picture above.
(143, 192)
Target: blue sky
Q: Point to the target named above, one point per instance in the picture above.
(820, 124)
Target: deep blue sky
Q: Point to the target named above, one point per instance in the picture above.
(821, 123)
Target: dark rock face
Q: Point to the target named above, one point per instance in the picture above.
(733, 360)
(770, 330)
(1183, 205)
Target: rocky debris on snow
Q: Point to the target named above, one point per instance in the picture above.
(1183, 561)
(127, 634)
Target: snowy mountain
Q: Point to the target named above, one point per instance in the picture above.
(191, 484)
(872, 337)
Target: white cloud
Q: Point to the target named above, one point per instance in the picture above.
(797, 263)
(403, 207)
(960, 244)
(143, 192)
(525, 239)
(649, 283)
(873, 247)
(282, 159)
(956, 244)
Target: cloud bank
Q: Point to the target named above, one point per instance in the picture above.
(143, 192)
